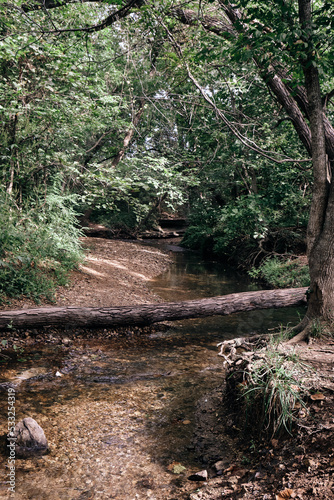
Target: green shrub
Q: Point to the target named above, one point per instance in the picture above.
(281, 273)
(224, 228)
(202, 221)
(244, 218)
(38, 246)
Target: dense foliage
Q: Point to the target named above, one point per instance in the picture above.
(157, 113)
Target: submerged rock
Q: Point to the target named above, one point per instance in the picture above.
(29, 439)
(199, 476)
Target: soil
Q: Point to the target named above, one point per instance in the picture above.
(114, 273)
(299, 466)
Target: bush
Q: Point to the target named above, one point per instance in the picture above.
(281, 273)
(202, 221)
(245, 218)
(272, 392)
(224, 230)
(38, 247)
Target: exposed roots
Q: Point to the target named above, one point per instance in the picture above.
(302, 336)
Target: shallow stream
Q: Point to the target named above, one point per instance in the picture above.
(120, 420)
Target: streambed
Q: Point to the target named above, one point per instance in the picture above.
(120, 420)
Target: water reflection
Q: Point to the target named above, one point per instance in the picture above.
(190, 277)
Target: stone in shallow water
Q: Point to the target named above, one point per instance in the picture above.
(29, 438)
(199, 476)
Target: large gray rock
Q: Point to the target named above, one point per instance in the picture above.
(29, 439)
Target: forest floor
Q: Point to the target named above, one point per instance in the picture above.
(299, 466)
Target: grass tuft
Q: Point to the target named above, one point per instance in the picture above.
(270, 388)
(281, 273)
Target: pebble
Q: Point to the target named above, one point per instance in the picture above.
(199, 476)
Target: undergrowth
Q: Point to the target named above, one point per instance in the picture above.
(281, 273)
(38, 246)
(272, 392)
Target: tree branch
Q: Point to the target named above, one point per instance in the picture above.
(225, 28)
(52, 4)
(243, 139)
(108, 21)
(146, 314)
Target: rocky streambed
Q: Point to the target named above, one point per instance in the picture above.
(134, 413)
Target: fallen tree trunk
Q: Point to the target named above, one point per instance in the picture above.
(151, 313)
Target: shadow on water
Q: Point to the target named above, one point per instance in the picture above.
(191, 277)
(122, 414)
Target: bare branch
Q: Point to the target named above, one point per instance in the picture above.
(224, 27)
(98, 142)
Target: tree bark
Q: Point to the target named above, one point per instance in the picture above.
(320, 231)
(129, 134)
(151, 313)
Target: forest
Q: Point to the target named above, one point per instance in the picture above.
(123, 111)
(120, 116)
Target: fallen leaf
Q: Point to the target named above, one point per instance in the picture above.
(287, 493)
(318, 396)
(176, 468)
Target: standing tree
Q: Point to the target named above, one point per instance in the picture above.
(288, 44)
(285, 39)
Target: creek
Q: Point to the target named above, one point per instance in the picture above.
(121, 418)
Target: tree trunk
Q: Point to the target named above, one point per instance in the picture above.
(320, 231)
(151, 313)
(129, 134)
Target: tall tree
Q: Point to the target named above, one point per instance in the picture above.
(288, 44)
(320, 237)
(260, 36)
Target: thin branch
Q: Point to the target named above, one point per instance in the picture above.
(108, 21)
(52, 4)
(327, 98)
(98, 142)
(244, 140)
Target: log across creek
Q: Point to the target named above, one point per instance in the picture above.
(147, 314)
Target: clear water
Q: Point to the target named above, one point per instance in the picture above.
(191, 277)
(120, 420)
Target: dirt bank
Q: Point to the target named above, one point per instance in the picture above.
(114, 273)
(299, 465)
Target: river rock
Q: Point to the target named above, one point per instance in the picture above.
(202, 475)
(30, 440)
(220, 466)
